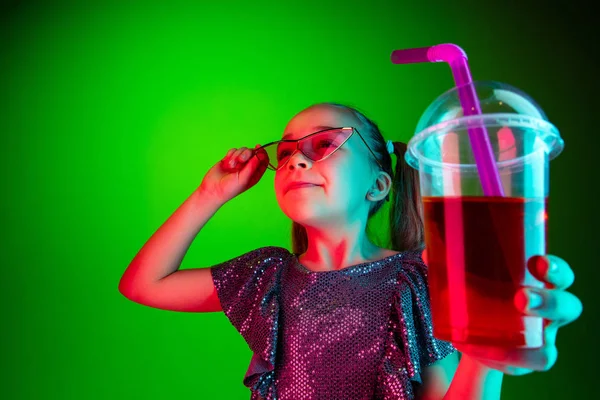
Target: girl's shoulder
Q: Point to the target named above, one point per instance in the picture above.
(263, 262)
(411, 256)
(262, 254)
(389, 253)
(270, 251)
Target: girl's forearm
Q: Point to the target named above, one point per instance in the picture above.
(474, 381)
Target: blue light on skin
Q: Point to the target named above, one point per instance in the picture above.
(334, 214)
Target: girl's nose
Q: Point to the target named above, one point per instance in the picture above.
(296, 157)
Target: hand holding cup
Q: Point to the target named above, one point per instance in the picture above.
(553, 303)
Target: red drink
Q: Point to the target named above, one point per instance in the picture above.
(477, 249)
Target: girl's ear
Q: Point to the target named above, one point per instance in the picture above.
(384, 181)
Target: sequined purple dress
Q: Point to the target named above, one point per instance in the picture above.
(363, 332)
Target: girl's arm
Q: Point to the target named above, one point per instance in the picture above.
(153, 277)
(437, 378)
(474, 380)
(449, 379)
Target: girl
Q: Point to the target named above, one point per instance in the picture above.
(339, 318)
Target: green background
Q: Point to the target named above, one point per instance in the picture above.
(113, 111)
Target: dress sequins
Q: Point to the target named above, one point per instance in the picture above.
(363, 332)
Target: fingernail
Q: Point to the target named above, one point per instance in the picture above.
(541, 265)
(535, 300)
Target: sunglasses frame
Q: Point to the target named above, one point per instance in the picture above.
(315, 133)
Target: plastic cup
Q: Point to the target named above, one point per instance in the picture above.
(477, 245)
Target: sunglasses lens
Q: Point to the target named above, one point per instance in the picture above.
(323, 144)
(315, 147)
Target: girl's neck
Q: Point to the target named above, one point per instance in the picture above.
(338, 245)
(334, 263)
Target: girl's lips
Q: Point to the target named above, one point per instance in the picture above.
(301, 185)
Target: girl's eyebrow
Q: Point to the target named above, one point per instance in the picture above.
(314, 129)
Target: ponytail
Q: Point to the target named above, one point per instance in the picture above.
(406, 222)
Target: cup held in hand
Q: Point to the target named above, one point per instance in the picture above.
(478, 245)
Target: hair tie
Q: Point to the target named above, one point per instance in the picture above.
(390, 146)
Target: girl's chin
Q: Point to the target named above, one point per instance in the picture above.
(298, 215)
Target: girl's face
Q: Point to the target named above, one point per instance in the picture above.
(344, 178)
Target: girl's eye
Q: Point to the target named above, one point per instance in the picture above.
(328, 143)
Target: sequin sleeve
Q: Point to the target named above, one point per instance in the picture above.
(410, 345)
(248, 289)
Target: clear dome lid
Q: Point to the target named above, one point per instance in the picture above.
(494, 98)
(500, 104)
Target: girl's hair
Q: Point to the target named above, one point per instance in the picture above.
(406, 225)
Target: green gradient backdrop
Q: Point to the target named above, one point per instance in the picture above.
(111, 113)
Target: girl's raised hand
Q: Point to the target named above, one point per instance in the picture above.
(237, 172)
(553, 303)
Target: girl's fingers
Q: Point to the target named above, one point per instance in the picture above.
(541, 359)
(558, 306)
(225, 162)
(261, 155)
(237, 153)
(236, 157)
(553, 270)
(560, 273)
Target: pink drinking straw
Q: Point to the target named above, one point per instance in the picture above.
(480, 143)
